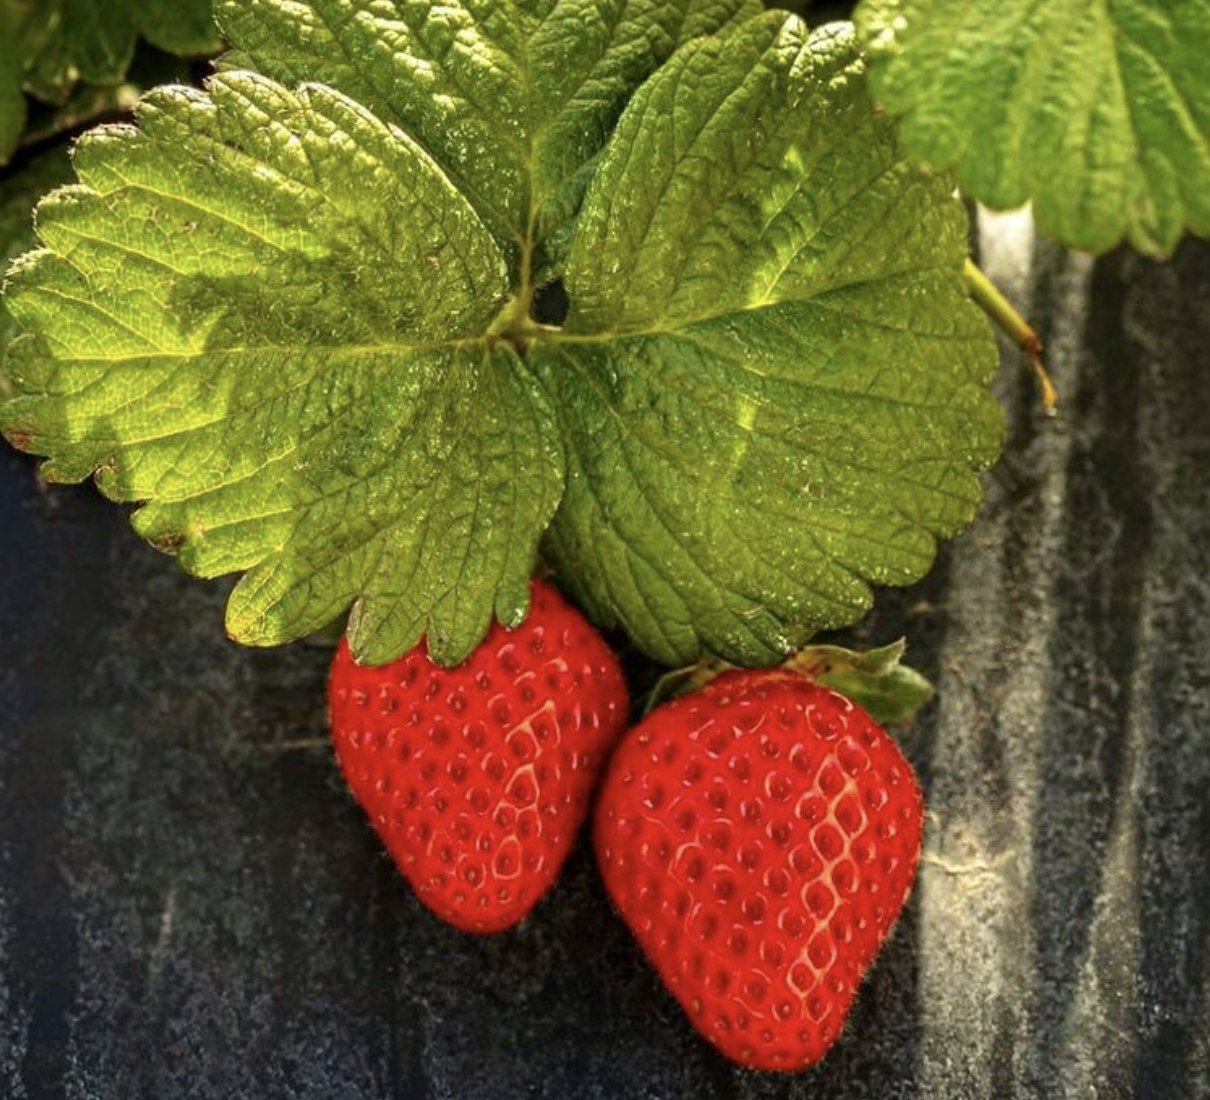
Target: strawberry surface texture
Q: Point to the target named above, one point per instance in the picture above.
(760, 837)
(478, 778)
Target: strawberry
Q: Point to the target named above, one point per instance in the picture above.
(477, 778)
(760, 837)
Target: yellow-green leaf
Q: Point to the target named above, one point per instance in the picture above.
(1097, 112)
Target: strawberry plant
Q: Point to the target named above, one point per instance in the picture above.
(297, 322)
(671, 299)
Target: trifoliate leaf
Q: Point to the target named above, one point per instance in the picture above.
(301, 336)
(513, 98)
(1097, 112)
(265, 313)
(47, 46)
(771, 385)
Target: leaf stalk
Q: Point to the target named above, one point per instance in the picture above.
(1015, 327)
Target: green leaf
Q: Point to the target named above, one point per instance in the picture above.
(12, 100)
(264, 313)
(772, 384)
(87, 104)
(18, 193)
(297, 333)
(513, 97)
(47, 46)
(1097, 112)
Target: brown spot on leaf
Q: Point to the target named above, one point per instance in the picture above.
(169, 542)
(20, 438)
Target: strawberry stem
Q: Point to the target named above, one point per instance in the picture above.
(1015, 327)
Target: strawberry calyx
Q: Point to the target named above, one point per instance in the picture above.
(876, 679)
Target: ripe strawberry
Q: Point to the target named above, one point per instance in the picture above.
(477, 778)
(760, 837)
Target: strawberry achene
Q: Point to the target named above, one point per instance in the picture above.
(477, 778)
(760, 837)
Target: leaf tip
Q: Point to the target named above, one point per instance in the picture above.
(512, 606)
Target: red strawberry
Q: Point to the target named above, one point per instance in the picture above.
(760, 837)
(477, 778)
